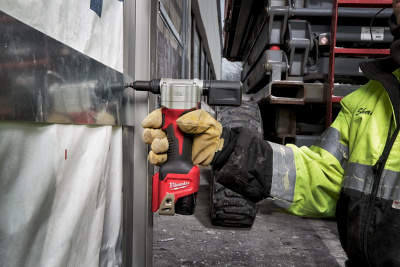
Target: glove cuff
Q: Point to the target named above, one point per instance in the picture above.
(248, 169)
(221, 157)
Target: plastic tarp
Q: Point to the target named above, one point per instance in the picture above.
(60, 195)
(93, 27)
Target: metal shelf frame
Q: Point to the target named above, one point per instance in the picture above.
(347, 51)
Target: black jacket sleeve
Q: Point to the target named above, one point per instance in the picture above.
(245, 164)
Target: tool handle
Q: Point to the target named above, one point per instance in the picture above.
(179, 154)
(178, 175)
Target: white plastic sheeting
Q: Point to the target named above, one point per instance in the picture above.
(60, 195)
(73, 23)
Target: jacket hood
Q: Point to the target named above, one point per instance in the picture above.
(373, 69)
(381, 71)
(394, 27)
(395, 46)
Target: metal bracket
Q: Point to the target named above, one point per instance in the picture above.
(268, 68)
(277, 22)
(276, 64)
(285, 125)
(167, 206)
(299, 44)
(282, 92)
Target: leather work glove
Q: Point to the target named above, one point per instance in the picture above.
(206, 136)
(154, 136)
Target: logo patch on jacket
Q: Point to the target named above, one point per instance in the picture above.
(396, 204)
(363, 111)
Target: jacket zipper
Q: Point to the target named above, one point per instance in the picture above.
(377, 169)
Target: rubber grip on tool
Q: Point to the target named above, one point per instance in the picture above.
(178, 175)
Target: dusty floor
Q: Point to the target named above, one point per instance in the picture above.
(275, 239)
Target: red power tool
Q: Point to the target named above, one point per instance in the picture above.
(176, 184)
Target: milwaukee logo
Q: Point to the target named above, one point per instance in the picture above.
(177, 186)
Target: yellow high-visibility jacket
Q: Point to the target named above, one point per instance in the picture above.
(351, 172)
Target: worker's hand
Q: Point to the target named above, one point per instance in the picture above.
(206, 140)
(154, 136)
(207, 135)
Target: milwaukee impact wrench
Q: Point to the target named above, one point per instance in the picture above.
(176, 184)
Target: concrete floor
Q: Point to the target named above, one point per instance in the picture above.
(275, 239)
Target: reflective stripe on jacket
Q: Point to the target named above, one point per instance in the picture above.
(338, 170)
(345, 174)
(343, 155)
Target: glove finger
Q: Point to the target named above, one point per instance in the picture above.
(153, 120)
(157, 159)
(160, 145)
(198, 121)
(150, 134)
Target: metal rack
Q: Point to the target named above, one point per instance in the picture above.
(350, 52)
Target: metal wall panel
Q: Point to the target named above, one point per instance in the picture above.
(44, 80)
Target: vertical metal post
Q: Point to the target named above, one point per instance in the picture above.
(138, 220)
(128, 137)
(142, 222)
(127, 191)
(331, 74)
